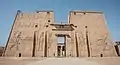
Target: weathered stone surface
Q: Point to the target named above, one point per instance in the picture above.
(35, 35)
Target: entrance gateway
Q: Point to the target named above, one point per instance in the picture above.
(61, 46)
(35, 35)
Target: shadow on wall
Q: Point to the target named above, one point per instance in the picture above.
(117, 47)
(1, 50)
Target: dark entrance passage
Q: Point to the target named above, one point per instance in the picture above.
(61, 51)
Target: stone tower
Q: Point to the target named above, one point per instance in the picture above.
(36, 35)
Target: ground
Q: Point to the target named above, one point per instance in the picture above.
(59, 61)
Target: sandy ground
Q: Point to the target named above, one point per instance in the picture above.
(60, 61)
(64, 61)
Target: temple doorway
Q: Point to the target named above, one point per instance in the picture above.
(61, 46)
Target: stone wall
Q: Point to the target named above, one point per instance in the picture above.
(92, 26)
(35, 35)
(26, 28)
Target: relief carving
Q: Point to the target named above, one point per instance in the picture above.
(49, 40)
(103, 42)
(41, 42)
(81, 39)
(16, 40)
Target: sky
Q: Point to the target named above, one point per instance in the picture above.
(61, 8)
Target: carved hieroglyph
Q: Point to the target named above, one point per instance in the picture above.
(35, 35)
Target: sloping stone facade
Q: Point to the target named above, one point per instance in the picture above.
(36, 35)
